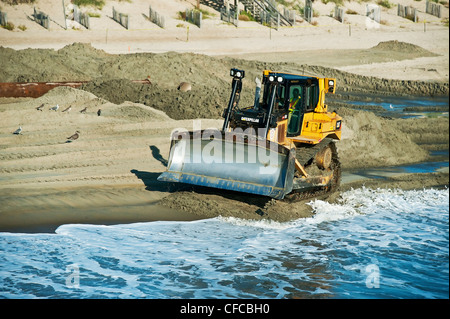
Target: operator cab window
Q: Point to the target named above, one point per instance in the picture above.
(311, 97)
(296, 102)
(279, 97)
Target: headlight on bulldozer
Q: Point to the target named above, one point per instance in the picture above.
(330, 85)
(237, 73)
(274, 78)
(338, 125)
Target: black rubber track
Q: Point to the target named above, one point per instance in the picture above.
(306, 155)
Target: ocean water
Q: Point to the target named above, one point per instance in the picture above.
(371, 244)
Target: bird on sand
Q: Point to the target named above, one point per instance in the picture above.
(18, 131)
(67, 109)
(99, 112)
(39, 108)
(73, 137)
(83, 110)
(55, 108)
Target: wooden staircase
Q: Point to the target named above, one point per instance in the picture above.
(264, 11)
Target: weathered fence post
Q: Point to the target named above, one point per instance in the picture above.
(64, 15)
(308, 11)
(339, 14)
(3, 18)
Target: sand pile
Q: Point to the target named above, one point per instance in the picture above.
(82, 62)
(201, 102)
(434, 136)
(66, 96)
(136, 112)
(369, 141)
(411, 50)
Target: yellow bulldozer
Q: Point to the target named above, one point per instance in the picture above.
(282, 144)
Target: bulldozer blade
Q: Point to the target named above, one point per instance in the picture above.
(230, 161)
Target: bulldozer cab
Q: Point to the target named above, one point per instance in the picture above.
(295, 95)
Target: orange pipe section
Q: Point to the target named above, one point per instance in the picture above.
(31, 89)
(37, 89)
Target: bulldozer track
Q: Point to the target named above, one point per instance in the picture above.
(305, 155)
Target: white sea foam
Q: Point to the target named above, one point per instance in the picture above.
(403, 234)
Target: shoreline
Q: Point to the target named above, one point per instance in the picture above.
(104, 209)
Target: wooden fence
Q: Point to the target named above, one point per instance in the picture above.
(433, 9)
(194, 16)
(121, 18)
(156, 18)
(407, 12)
(80, 17)
(41, 18)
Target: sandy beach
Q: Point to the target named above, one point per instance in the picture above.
(109, 174)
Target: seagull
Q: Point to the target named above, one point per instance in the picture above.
(99, 112)
(39, 108)
(73, 137)
(55, 108)
(68, 109)
(18, 131)
(83, 110)
(390, 106)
